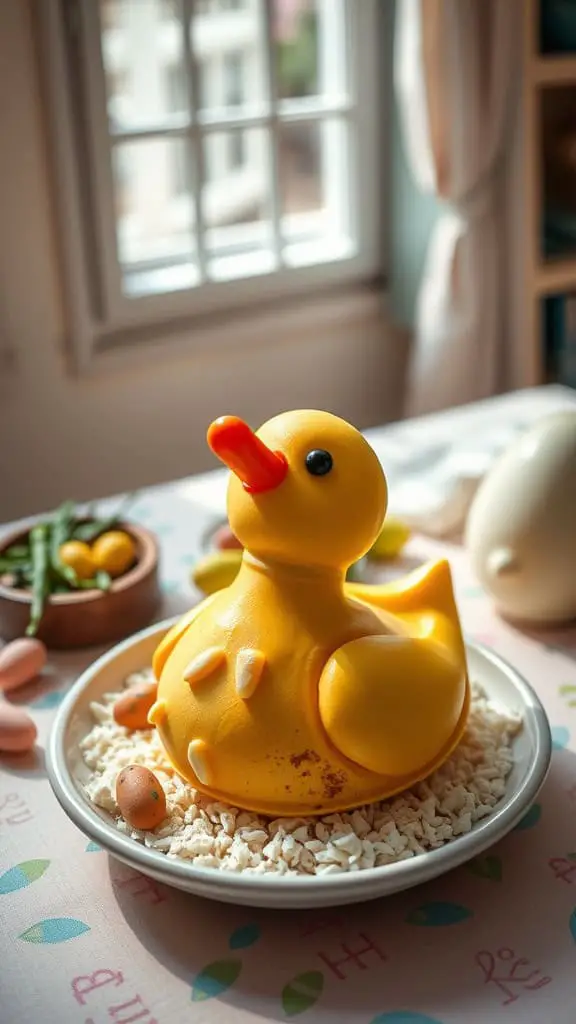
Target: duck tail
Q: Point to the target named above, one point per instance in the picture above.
(428, 587)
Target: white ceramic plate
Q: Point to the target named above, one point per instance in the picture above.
(67, 773)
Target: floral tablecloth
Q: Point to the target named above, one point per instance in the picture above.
(86, 940)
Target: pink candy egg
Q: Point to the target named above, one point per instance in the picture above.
(17, 730)
(224, 540)
(20, 661)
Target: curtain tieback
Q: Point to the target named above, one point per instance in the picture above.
(475, 204)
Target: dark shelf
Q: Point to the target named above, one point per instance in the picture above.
(558, 26)
(558, 334)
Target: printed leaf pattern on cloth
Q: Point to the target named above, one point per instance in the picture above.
(48, 700)
(302, 992)
(245, 936)
(434, 915)
(486, 867)
(568, 690)
(215, 979)
(22, 875)
(54, 929)
(530, 819)
(560, 737)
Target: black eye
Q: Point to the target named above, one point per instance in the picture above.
(318, 462)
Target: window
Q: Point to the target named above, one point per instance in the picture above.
(234, 73)
(211, 149)
(175, 85)
(236, 150)
(169, 9)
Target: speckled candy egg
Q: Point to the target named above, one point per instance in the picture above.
(140, 797)
(131, 709)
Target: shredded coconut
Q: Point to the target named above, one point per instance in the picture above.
(465, 789)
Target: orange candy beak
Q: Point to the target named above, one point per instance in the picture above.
(236, 445)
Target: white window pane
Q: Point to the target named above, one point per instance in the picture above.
(227, 43)
(154, 215)
(310, 53)
(236, 203)
(142, 51)
(314, 190)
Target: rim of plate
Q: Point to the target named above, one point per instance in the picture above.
(408, 872)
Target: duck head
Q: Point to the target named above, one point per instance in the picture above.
(305, 489)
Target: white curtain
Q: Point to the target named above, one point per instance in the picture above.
(454, 65)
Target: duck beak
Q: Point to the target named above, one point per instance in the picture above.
(256, 465)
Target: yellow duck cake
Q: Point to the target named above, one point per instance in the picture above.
(292, 691)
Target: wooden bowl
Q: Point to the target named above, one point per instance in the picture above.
(86, 618)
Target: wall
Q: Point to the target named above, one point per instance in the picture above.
(64, 437)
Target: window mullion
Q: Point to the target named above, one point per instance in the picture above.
(195, 140)
(288, 113)
(166, 131)
(266, 19)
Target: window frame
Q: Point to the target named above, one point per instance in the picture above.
(98, 334)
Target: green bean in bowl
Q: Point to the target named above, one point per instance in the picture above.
(69, 558)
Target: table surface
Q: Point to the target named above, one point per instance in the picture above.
(86, 940)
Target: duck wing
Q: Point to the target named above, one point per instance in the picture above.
(396, 705)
